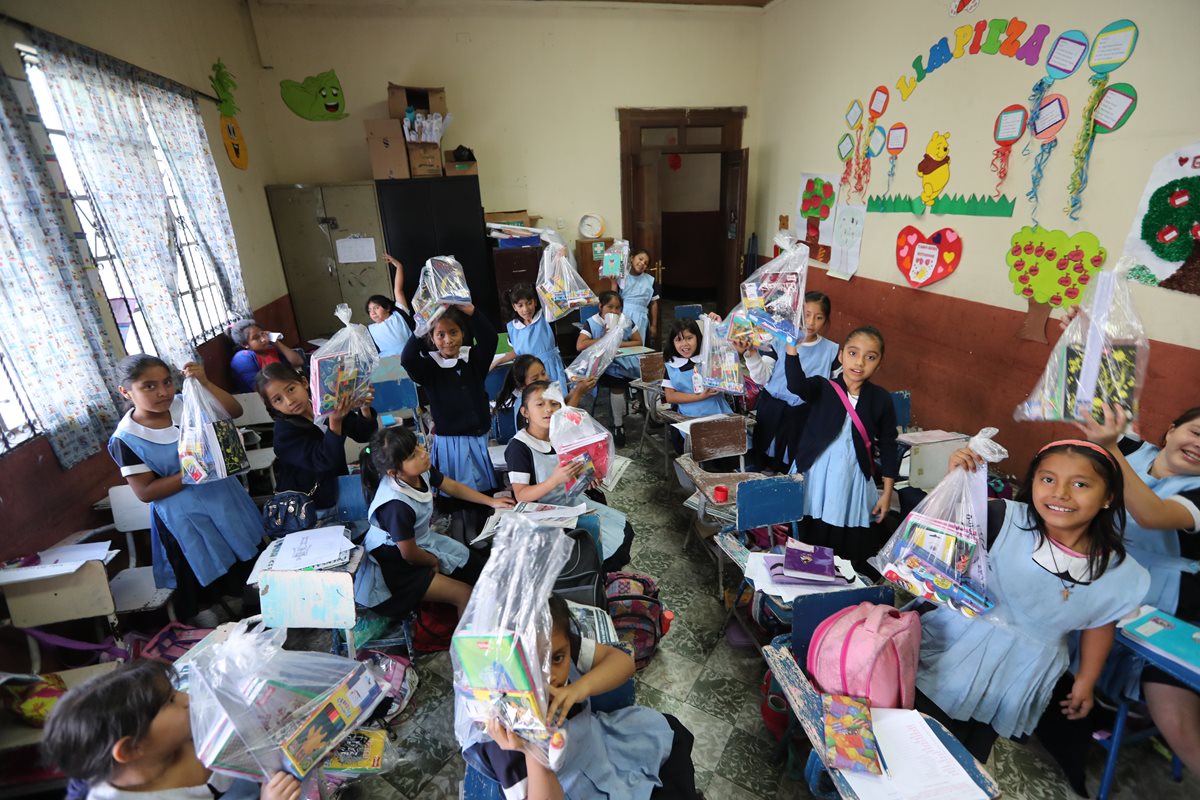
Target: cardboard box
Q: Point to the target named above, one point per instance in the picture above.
(424, 159)
(521, 217)
(386, 148)
(459, 167)
(930, 455)
(428, 99)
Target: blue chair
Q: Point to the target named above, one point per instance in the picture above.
(586, 313)
(689, 311)
(494, 381)
(902, 403)
(351, 505)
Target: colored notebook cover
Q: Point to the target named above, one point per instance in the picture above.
(337, 377)
(849, 740)
(811, 562)
(593, 452)
(497, 680)
(774, 565)
(360, 753)
(1169, 636)
(1115, 382)
(942, 544)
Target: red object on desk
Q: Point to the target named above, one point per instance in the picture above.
(720, 494)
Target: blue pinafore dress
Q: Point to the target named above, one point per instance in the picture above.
(390, 335)
(451, 554)
(835, 489)
(216, 524)
(1003, 673)
(679, 378)
(637, 293)
(626, 368)
(537, 339)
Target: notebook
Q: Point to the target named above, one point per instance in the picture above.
(849, 739)
(1168, 636)
(809, 562)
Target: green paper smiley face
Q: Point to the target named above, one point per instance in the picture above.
(318, 99)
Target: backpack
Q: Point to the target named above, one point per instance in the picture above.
(766, 537)
(637, 613)
(435, 625)
(868, 651)
(582, 578)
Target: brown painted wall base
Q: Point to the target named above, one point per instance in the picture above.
(967, 370)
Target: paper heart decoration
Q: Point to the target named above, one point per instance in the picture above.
(923, 260)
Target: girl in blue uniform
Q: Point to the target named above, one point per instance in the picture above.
(526, 370)
(681, 354)
(409, 561)
(391, 320)
(780, 413)
(622, 370)
(632, 753)
(529, 333)
(1056, 564)
(452, 373)
(536, 475)
(639, 296)
(850, 421)
(205, 535)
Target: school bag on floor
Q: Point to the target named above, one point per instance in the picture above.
(637, 613)
(582, 577)
(868, 651)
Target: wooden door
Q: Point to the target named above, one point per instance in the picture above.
(647, 203)
(297, 213)
(353, 209)
(734, 167)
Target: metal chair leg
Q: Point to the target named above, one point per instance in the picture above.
(1114, 750)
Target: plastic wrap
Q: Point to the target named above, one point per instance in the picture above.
(210, 447)
(559, 285)
(773, 295)
(1100, 358)
(341, 368)
(598, 356)
(443, 283)
(501, 649)
(578, 437)
(257, 708)
(616, 260)
(740, 328)
(939, 552)
(720, 365)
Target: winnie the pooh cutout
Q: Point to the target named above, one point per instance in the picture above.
(934, 169)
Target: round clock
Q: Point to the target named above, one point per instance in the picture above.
(591, 226)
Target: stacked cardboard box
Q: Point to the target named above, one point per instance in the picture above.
(394, 157)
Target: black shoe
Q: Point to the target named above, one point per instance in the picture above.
(619, 437)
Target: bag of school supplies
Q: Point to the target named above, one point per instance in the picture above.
(578, 438)
(501, 649)
(742, 328)
(720, 366)
(1101, 357)
(341, 368)
(600, 354)
(616, 260)
(257, 708)
(442, 284)
(939, 552)
(559, 285)
(773, 295)
(210, 447)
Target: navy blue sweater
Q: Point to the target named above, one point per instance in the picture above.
(307, 456)
(457, 399)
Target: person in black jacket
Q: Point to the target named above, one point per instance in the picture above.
(310, 450)
(850, 420)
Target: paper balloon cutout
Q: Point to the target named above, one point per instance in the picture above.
(223, 84)
(897, 140)
(854, 115)
(1010, 127)
(1164, 239)
(1066, 55)
(1050, 268)
(922, 260)
(879, 102)
(1115, 108)
(875, 139)
(1049, 120)
(934, 169)
(318, 98)
(849, 150)
(962, 6)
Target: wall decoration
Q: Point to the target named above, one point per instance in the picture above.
(1049, 268)
(923, 260)
(1009, 128)
(934, 169)
(962, 6)
(815, 204)
(848, 148)
(1111, 48)
(897, 140)
(1049, 120)
(1066, 54)
(318, 98)
(874, 141)
(951, 205)
(847, 240)
(223, 84)
(1164, 240)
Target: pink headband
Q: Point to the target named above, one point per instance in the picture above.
(1080, 443)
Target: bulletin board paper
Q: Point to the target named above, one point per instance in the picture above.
(1067, 54)
(1115, 107)
(1113, 46)
(356, 250)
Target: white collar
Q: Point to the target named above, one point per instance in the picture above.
(165, 435)
(520, 326)
(416, 494)
(442, 361)
(679, 362)
(533, 443)
(1059, 562)
(813, 344)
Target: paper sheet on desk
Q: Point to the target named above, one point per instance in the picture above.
(89, 551)
(685, 427)
(304, 549)
(757, 573)
(919, 767)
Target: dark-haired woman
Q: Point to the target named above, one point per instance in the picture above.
(257, 347)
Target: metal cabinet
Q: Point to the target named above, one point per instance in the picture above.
(309, 222)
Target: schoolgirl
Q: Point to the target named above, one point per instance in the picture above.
(639, 296)
(624, 369)
(205, 536)
(527, 369)
(681, 355)
(529, 333)
(391, 320)
(851, 420)
(536, 475)
(452, 373)
(1056, 564)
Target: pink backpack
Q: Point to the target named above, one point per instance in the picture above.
(868, 651)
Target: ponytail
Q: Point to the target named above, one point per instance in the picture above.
(388, 450)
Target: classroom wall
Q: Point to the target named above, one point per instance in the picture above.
(953, 343)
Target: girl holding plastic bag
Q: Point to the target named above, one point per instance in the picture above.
(625, 368)
(529, 333)
(203, 535)
(639, 296)
(681, 355)
(1056, 564)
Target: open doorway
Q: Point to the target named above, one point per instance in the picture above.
(683, 198)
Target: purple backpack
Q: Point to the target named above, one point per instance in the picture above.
(636, 612)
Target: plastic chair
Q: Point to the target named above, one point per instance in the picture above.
(902, 403)
(351, 505)
(586, 313)
(760, 503)
(494, 382)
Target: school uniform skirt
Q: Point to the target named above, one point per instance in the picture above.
(407, 582)
(465, 459)
(838, 500)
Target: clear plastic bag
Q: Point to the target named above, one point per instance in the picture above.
(257, 708)
(742, 329)
(501, 649)
(341, 368)
(720, 365)
(773, 295)
(598, 356)
(939, 552)
(443, 283)
(210, 447)
(616, 260)
(578, 437)
(559, 285)
(1101, 358)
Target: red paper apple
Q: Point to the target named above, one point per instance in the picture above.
(925, 260)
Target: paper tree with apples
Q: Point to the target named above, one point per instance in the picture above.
(1050, 269)
(1171, 229)
(816, 206)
